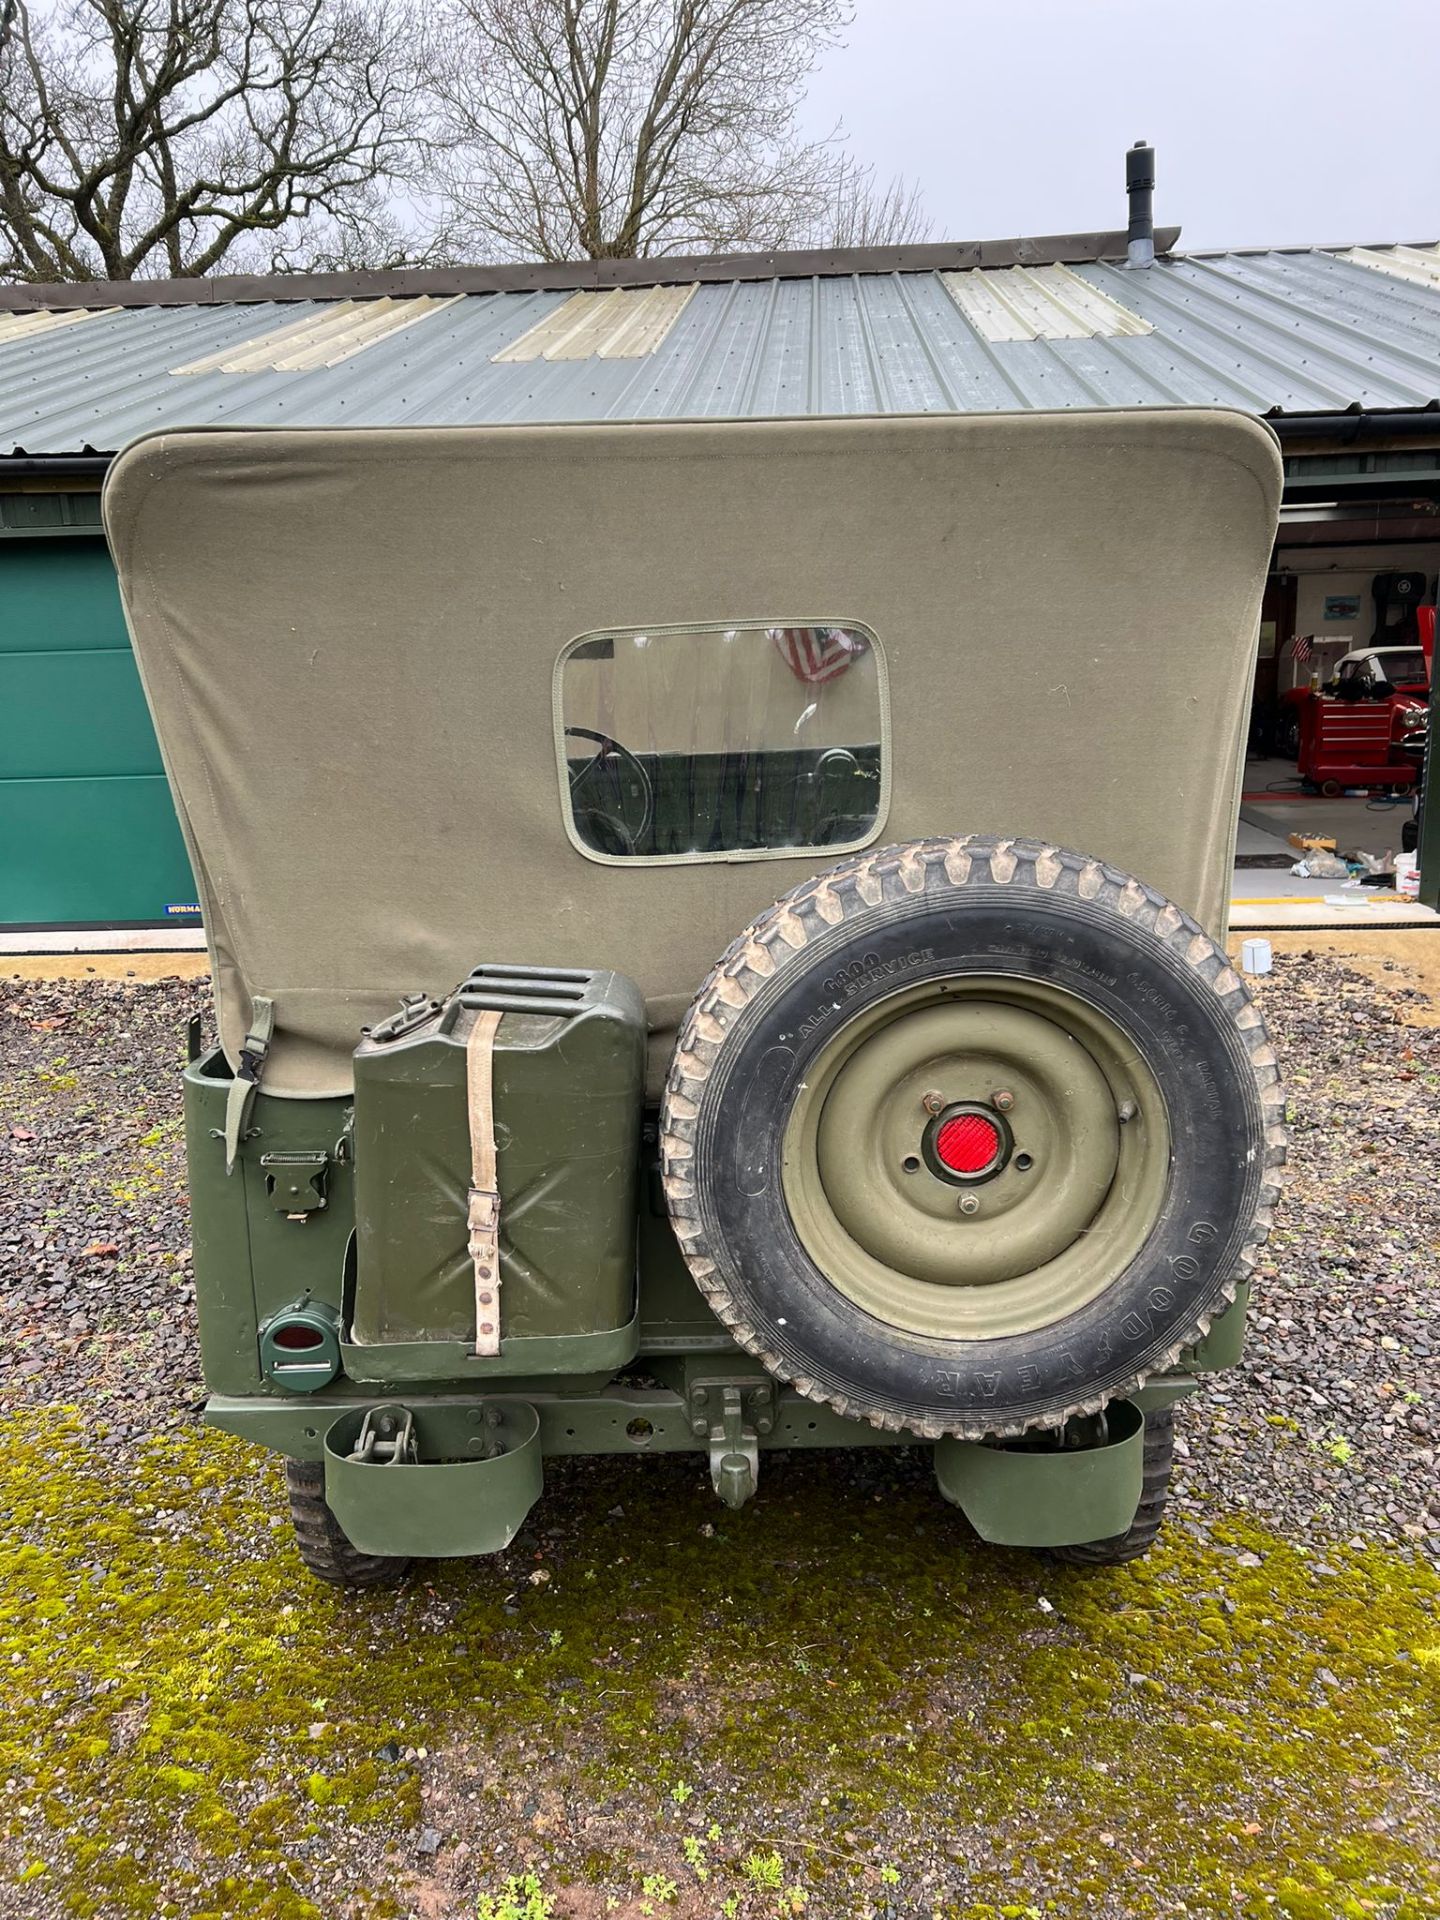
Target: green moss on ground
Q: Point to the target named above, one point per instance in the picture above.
(194, 1727)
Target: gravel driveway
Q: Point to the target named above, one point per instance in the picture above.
(835, 1701)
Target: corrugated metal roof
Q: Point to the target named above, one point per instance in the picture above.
(1271, 332)
(24, 326)
(1039, 303)
(336, 333)
(624, 324)
(1420, 264)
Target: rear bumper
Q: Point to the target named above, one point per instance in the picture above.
(477, 1464)
(619, 1419)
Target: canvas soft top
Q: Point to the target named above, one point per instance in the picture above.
(348, 639)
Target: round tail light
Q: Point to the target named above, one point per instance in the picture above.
(968, 1143)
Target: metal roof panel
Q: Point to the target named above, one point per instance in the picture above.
(321, 339)
(1419, 264)
(625, 323)
(1039, 303)
(1268, 331)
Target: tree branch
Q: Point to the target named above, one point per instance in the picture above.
(143, 136)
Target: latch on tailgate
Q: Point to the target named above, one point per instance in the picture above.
(295, 1182)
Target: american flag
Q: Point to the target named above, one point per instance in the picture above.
(816, 654)
(1300, 651)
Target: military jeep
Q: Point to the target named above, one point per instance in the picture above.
(716, 936)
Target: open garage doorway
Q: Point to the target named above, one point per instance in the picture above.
(1343, 616)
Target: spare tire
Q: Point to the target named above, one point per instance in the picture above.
(971, 1136)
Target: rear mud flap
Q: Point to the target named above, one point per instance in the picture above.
(1022, 1496)
(434, 1482)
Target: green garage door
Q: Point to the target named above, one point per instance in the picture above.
(89, 836)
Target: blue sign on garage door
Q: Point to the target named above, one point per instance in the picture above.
(89, 833)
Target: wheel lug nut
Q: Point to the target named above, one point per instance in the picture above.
(932, 1102)
(969, 1203)
(1002, 1099)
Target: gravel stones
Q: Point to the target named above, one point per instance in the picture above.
(96, 1294)
(1330, 1425)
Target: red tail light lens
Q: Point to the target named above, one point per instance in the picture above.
(969, 1143)
(298, 1339)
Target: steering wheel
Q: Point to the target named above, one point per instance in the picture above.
(612, 817)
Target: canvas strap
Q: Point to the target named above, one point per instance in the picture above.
(253, 1052)
(484, 1215)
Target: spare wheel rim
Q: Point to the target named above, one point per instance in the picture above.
(1077, 1184)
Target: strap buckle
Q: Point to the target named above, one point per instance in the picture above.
(484, 1214)
(484, 1222)
(254, 1049)
(483, 1211)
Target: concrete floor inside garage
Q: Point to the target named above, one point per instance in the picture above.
(1265, 892)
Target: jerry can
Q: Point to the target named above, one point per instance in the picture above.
(568, 1080)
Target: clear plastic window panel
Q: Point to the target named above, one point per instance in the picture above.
(722, 740)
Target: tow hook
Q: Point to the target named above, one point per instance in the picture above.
(732, 1415)
(387, 1436)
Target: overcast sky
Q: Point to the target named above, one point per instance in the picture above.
(1274, 121)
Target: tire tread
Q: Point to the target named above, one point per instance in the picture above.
(1140, 1535)
(323, 1547)
(842, 893)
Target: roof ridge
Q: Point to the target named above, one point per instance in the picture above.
(1300, 246)
(570, 275)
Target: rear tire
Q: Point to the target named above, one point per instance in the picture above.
(1139, 1536)
(323, 1547)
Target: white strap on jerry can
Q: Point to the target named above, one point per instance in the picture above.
(484, 1208)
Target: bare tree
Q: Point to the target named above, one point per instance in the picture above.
(615, 128)
(143, 137)
(859, 212)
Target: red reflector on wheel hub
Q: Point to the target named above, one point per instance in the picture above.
(969, 1143)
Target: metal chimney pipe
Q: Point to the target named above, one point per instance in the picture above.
(1140, 186)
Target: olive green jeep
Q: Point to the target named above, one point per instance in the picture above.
(539, 1124)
